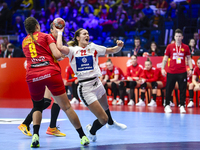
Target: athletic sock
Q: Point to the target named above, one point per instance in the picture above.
(55, 109)
(96, 126)
(80, 132)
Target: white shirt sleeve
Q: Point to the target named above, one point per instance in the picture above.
(100, 49)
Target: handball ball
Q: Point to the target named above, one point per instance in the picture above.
(59, 23)
(145, 54)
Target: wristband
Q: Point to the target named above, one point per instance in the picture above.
(191, 69)
(60, 33)
(108, 80)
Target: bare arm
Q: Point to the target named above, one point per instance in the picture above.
(115, 49)
(57, 54)
(189, 62)
(194, 80)
(61, 47)
(165, 59)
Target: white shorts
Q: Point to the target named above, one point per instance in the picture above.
(90, 91)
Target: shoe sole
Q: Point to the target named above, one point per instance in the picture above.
(58, 135)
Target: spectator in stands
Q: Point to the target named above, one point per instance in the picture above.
(16, 5)
(3, 49)
(13, 51)
(143, 21)
(138, 49)
(112, 79)
(94, 30)
(157, 21)
(151, 77)
(131, 23)
(176, 72)
(60, 9)
(162, 5)
(122, 20)
(66, 13)
(196, 38)
(71, 80)
(90, 20)
(138, 6)
(133, 76)
(79, 21)
(154, 51)
(27, 4)
(102, 4)
(117, 31)
(34, 14)
(5, 18)
(126, 4)
(19, 27)
(86, 9)
(147, 10)
(192, 47)
(43, 16)
(51, 10)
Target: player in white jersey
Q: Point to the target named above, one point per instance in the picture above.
(83, 57)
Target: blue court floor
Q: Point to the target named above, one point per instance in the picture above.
(146, 131)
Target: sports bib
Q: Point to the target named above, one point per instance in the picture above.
(84, 63)
(178, 60)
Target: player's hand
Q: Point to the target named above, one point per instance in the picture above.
(120, 43)
(189, 73)
(163, 72)
(59, 30)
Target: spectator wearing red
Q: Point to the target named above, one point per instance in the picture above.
(112, 79)
(196, 76)
(151, 77)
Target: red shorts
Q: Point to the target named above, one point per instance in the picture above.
(54, 83)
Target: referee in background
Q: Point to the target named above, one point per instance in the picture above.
(176, 71)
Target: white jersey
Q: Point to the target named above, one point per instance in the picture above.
(84, 61)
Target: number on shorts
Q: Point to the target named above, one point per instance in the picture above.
(32, 50)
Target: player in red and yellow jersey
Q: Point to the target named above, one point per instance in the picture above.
(151, 77)
(43, 70)
(196, 76)
(112, 79)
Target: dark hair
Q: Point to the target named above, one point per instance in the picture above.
(156, 50)
(11, 46)
(30, 24)
(148, 60)
(137, 38)
(178, 31)
(74, 42)
(3, 45)
(109, 60)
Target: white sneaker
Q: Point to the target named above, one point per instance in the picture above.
(93, 138)
(182, 109)
(191, 104)
(114, 102)
(140, 103)
(81, 103)
(167, 109)
(131, 103)
(120, 102)
(172, 104)
(152, 103)
(74, 101)
(116, 125)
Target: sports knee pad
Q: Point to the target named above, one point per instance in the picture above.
(143, 86)
(154, 85)
(38, 105)
(133, 84)
(47, 103)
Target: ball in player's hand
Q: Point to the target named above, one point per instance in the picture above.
(59, 23)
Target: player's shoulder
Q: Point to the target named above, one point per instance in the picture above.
(140, 66)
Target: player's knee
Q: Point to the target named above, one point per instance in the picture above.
(65, 107)
(121, 85)
(47, 103)
(143, 86)
(154, 85)
(133, 84)
(38, 105)
(104, 119)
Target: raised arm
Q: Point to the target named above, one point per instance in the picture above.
(115, 49)
(64, 49)
(56, 53)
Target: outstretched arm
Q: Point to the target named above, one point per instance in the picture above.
(115, 49)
